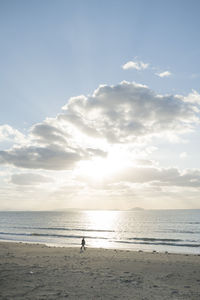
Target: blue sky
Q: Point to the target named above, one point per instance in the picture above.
(54, 50)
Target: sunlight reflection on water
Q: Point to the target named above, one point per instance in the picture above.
(104, 221)
(175, 231)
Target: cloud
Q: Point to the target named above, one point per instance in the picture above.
(7, 133)
(140, 65)
(193, 97)
(127, 112)
(160, 176)
(88, 126)
(47, 133)
(32, 157)
(137, 65)
(195, 75)
(144, 162)
(183, 155)
(30, 179)
(96, 152)
(154, 187)
(164, 74)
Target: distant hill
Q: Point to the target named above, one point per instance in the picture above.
(137, 208)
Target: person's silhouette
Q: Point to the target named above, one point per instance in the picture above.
(83, 244)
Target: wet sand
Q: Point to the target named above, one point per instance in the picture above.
(33, 271)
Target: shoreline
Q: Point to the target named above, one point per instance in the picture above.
(37, 271)
(175, 233)
(51, 245)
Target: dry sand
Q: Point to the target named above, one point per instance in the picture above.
(32, 271)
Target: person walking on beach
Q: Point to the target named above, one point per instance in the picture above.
(83, 244)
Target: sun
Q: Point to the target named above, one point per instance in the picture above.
(99, 169)
(96, 169)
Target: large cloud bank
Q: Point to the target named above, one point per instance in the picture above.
(122, 114)
(122, 120)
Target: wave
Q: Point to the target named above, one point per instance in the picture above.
(155, 239)
(177, 231)
(185, 231)
(64, 229)
(160, 243)
(101, 230)
(133, 241)
(193, 223)
(50, 235)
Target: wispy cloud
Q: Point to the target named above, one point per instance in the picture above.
(164, 74)
(140, 65)
(194, 75)
(183, 155)
(8, 133)
(137, 65)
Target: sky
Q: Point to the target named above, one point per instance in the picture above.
(99, 104)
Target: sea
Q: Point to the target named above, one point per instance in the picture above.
(175, 231)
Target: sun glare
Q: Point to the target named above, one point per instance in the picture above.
(99, 169)
(104, 222)
(102, 219)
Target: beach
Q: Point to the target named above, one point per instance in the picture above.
(37, 271)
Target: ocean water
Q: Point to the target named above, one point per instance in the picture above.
(160, 230)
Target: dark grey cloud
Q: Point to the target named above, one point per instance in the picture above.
(47, 133)
(49, 157)
(32, 157)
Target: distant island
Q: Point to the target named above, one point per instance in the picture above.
(137, 208)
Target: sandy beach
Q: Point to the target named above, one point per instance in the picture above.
(35, 271)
